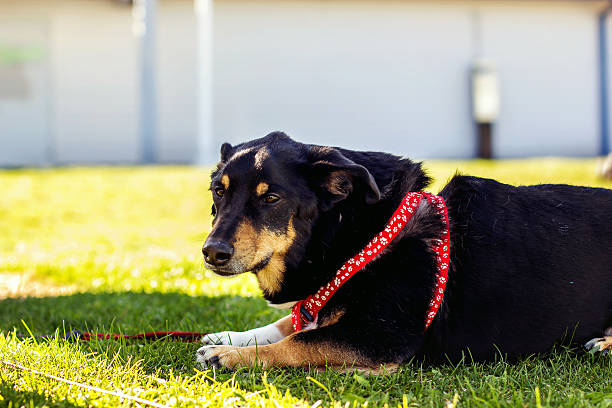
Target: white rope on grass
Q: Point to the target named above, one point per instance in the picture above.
(89, 387)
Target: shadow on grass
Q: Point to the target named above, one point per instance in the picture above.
(567, 379)
(132, 312)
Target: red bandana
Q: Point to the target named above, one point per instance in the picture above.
(308, 309)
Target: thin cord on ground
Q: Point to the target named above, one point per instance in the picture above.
(89, 387)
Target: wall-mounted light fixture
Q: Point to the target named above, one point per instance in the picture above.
(485, 104)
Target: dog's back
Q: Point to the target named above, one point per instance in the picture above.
(533, 263)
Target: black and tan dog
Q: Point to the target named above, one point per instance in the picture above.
(529, 265)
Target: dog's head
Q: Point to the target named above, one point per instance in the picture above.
(268, 194)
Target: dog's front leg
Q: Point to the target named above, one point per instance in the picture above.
(269, 334)
(314, 348)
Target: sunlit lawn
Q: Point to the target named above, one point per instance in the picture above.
(118, 250)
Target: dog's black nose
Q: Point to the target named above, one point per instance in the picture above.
(217, 253)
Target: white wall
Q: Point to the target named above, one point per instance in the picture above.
(24, 88)
(547, 58)
(95, 83)
(84, 92)
(177, 77)
(394, 75)
(383, 75)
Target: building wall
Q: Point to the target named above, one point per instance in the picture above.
(82, 99)
(549, 78)
(382, 75)
(369, 75)
(177, 75)
(24, 88)
(394, 75)
(95, 83)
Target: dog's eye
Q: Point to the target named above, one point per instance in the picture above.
(219, 192)
(271, 198)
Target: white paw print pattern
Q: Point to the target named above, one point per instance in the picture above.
(442, 249)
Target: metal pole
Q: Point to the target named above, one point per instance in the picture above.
(603, 81)
(145, 13)
(206, 148)
(50, 97)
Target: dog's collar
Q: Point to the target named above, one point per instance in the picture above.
(306, 311)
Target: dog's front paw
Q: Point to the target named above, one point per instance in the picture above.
(242, 339)
(218, 356)
(225, 338)
(601, 344)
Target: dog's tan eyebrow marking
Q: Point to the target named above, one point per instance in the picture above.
(225, 181)
(261, 155)
(262, 188)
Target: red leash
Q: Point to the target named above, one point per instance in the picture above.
(180, 336)
(76, 335)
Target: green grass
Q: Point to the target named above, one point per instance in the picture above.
(118, 250)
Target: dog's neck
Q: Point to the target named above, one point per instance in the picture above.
(343, 231)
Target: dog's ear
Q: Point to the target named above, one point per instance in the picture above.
(339, 177)
(226, 152)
